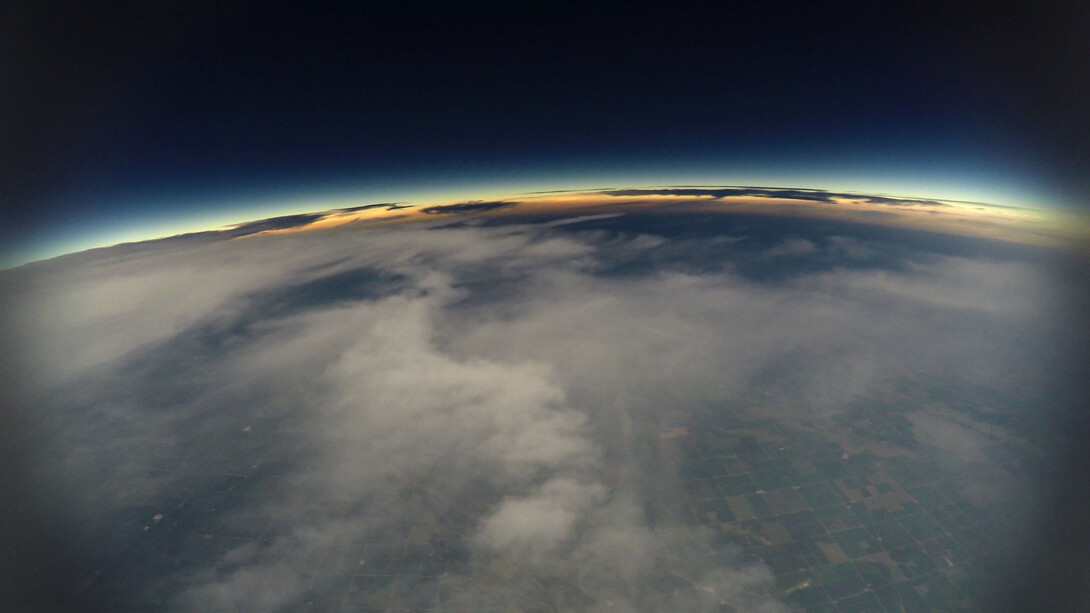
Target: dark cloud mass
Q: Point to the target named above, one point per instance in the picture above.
(274, 223)
(813, 195)
(509, 416)
(389, 206)
(468, 207)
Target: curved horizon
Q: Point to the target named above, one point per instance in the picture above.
(1023, 222)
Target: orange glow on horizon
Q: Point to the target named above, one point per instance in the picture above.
(1018, 225)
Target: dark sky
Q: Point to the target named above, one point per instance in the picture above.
(113, 112)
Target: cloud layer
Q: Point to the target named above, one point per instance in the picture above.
(465, 416)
